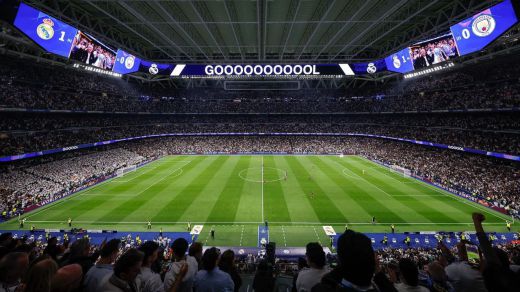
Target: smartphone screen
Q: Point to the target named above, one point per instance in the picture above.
(473, 254)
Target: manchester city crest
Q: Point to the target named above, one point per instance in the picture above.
(45, 30)
(129, 62)
(483, 25)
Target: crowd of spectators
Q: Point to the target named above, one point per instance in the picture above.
(493, 182)
(23, 133)
(56, 264)
(40, 184)
(28, 85)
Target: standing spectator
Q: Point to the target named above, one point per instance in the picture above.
(227, 264)
(462, 276)
(40, 274)
(196, 252)
(410, 277)
(316, 260)
(80, 254)
(150, 281)
(179, 247)
(12, 267)
(126, 269)
(264, 278)
(211, 278)
(99, 274)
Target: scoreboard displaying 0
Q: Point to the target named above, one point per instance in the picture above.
(476, 32)
(48, 32)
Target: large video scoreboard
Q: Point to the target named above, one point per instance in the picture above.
(468, 36)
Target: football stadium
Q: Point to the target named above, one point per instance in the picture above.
(259, 145)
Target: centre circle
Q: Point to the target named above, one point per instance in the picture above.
(269, 174)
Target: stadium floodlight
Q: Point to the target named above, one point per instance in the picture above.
(429, 70)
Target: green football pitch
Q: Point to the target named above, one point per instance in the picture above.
(297, 195)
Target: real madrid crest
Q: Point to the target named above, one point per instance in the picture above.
(153, 69)
(371, 68)
(45, 30)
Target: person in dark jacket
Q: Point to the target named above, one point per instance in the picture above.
(227, 264)
(264, 278)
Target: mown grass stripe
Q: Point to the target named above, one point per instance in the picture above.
(370, 202)
(430, 211)
(275, 205)
(140, 205)
(325, 209)
(226, 206)
(76, 209)
(173, 210)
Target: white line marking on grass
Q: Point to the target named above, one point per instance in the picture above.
(443, 192)
(284, 240)
(262, 188)
(90, 189)
(362, 179)
(316, 232)
(242, 235)
(289, 223)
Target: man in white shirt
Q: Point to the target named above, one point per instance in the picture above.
(99, 274)
(309, 277)
(126, 270)
(462, 276)
(179, 247)
(150, 280)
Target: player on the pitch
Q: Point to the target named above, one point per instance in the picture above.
(373, 219)
(69, 221)
(312, 195)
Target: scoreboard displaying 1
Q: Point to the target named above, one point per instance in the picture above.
(48, 32)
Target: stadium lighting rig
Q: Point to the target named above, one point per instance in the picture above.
(430, 70)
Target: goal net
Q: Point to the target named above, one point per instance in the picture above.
(122, 171)
(401, 170)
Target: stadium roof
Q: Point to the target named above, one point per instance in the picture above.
(261, 30)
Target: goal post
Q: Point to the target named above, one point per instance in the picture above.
(122, 171)
(401, 170)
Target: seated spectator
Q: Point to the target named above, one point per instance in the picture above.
(409, 277)
(227, 264)
(99, 274)
(126, 270)
(211, 278)
(309, 277)
(180, 259)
